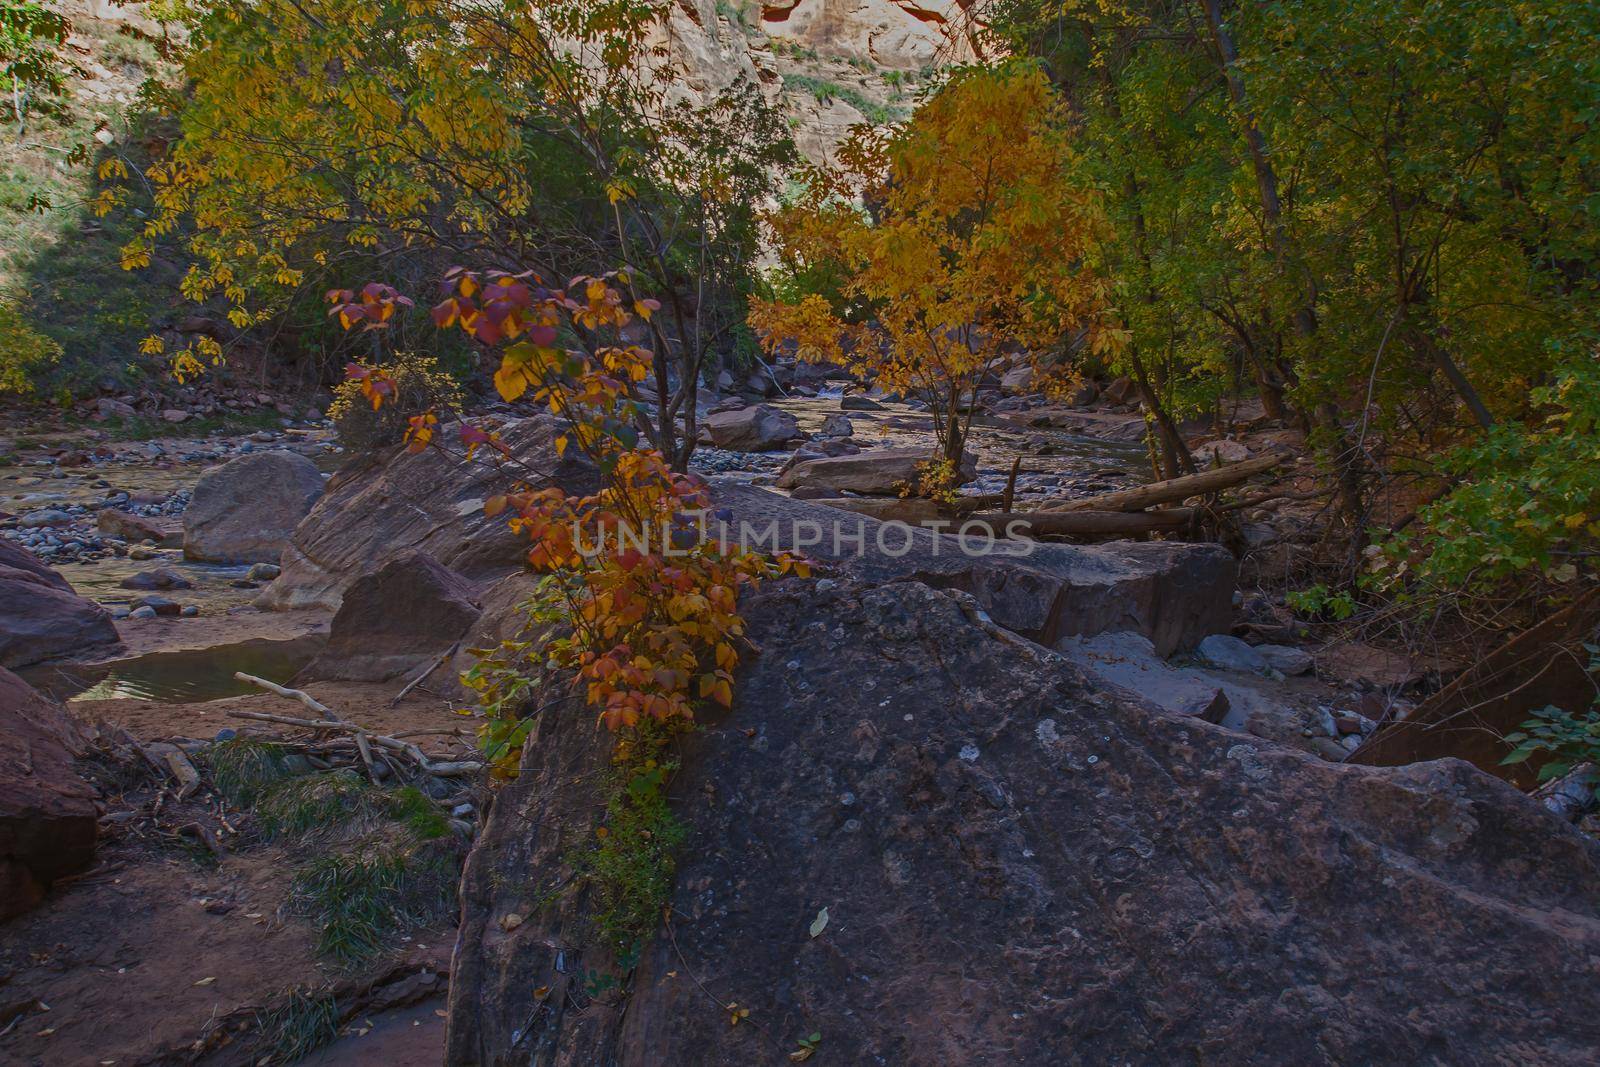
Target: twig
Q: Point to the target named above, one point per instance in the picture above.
(429, 669)
(294, 694)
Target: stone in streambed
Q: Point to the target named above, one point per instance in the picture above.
(246, 510)
(41, 618)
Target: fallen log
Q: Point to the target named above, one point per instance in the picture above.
(1171, 491)
(920, 512)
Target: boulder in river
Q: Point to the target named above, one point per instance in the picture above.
(126, 526)
(42, 619)
(245, 510)
(878, 472)
(1019, 869)
(757, 428)
(47, 812)
(395, 620)
(393, 501)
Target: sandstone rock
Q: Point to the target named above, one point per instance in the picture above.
(1228, 653)
(395, 620)
(159, 578)
(126, 526)
(391, 502)
(1221, 450)
(174, 415)
(263, 572)
(1017, 381)
(1286, 660)
(857, 402)
(47, 812)
(1174, 594)
(881, 471)
(1121, 391)
(1084, 395)
(43, 517)
(837, 426)
(41, 618)
(758, 428)
(245, 510)
(108, 408)
(159, 605)
(1128, 664)
(1021, 870)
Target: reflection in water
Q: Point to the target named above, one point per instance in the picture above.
(187, 677)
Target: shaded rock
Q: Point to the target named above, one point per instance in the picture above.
(1355, 663)
(157, 605)
(993, 838)
(391, 502)
(857, 402)
(1128, 664)
(263, 572)
(34, 520)
(1228, 653)
(1286, 660)
(837, 426)
(1084, 395)
(879, 472)
(1172, 593)
(166, 533)
(160, 578)
(245, 510)
(174, 415)
(47, 812)
(1121, 391)
(757, 428)
(1017, 381)
(41, 618)
(395, 620)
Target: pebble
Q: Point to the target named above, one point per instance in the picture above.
(142, 613)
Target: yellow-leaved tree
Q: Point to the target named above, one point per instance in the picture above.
(932, 251)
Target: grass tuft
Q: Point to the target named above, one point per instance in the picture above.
(244, 769)
(303, 1023)
(360, 899)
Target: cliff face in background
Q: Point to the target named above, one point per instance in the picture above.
(828, 63)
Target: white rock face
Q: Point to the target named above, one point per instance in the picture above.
(828, 64)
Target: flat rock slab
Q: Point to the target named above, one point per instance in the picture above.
(396, 620)
(1019, 870)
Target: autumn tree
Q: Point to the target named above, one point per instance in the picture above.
(951, 242)
(333, 138)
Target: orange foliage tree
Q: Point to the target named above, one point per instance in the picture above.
(644, 601)
(931, 251)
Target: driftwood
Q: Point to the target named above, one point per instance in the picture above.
(1171, 491)
(432, 666)
(1077, 523)
(333, 723)
(170, 758)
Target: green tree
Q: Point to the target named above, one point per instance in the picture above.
(31, 59)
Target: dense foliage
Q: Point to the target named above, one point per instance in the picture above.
(1382, 214)
(544, 135)
(975, 241)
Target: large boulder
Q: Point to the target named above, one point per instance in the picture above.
(392, 502)
(47, 813)
(406, 614)
(1020, 870)
(245, 510)
(1173, 594)
(42, 619)
(757, 428)
(878, 472)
